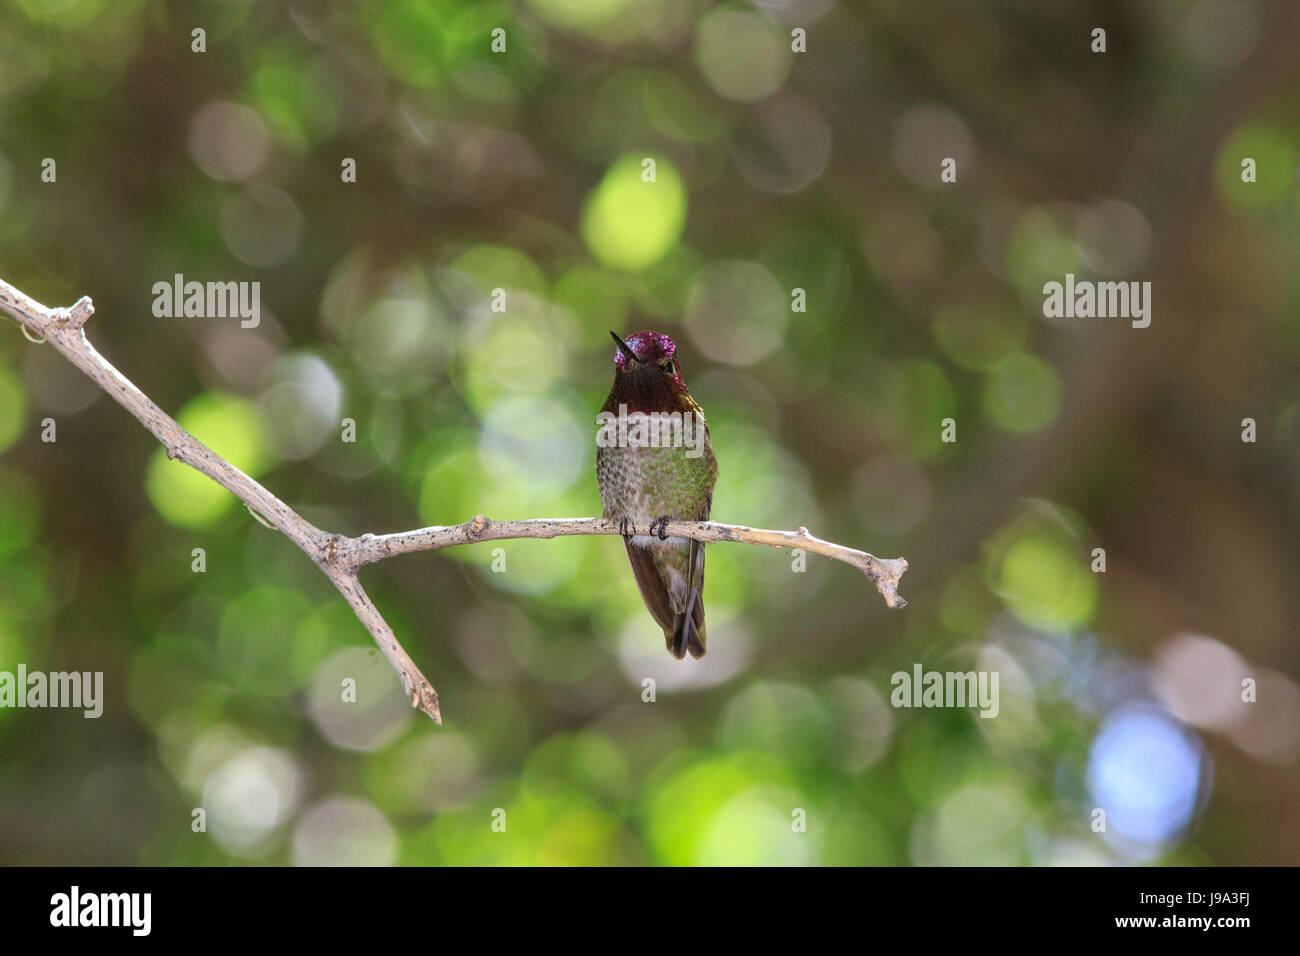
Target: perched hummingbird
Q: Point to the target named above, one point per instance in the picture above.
(656, 482)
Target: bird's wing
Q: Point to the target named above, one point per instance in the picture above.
(654, 589)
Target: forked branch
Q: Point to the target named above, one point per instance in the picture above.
(340, 557)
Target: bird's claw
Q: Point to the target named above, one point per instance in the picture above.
(662, 524)
(623, 527)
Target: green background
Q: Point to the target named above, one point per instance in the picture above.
(775, 170)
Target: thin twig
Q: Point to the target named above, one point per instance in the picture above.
(341, 557)
(369, 548)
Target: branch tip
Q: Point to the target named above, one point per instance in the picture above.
(80, 311)
(424, 698)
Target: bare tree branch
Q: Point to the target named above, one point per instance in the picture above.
(340, 557)
(369, 548)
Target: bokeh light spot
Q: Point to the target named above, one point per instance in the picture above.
(628, 223)
(230, 426)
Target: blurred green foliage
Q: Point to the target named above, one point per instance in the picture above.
(519, 178)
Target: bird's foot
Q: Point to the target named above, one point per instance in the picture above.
(660, 523)
(626, 528)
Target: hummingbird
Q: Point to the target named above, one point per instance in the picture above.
(653, 482)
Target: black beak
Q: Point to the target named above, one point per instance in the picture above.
(623, 347)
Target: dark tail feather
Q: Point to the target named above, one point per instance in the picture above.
(688, 627)
(688, 634)
(695, 635)
(677, 639)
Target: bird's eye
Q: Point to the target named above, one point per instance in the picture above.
(670, 369)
